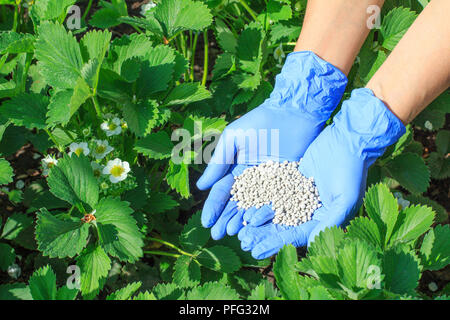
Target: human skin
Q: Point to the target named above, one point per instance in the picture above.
(418, 69)
(336, 30)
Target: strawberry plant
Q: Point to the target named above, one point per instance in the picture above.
(101, 103)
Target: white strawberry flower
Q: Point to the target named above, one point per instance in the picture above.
(79, 148)
(428, 125)
(403, 203)
(98, 168)
(47, 163)
(146, 7)
(101, 149)
(117, 170)
(112, 127)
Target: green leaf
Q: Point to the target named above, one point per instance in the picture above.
(8, 256)
(410, 171)
(212, 291)
(194, 236)
(284, 31)
(48, 9)
(247, 81)
(15, 291)
(439, 165)
(159, 202)
(264, 291)
(286, 276)
(219, 258)
(6, 172)
(443, 142)
(249, 50)
(73, 180)
(441, 213)
(186, 93)
(141, 117)
(278, 11)
(125, 293)
(14, 43)
(367, 230)
(168, 291)
(178, 178)
(395, 24)
(327, 242)
(43, 284)
(145, 296)
(186, 272)
(413, 221)
(435, 249)
(109, 15)
(175, 16)
(60, 238)
(155, 145)
(355, 261)
(435, 112)
(225, 63)
(96, 44)
(94, 264)
(118, 233)
(59, 56)
(64, 293)
(402, 271)
(15, 224)
(128, 47)
(381, 206)
(26, 109)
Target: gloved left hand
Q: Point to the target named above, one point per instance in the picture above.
(338, 160)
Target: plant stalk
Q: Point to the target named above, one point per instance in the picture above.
(205, 64)
(162, 253)
(170, 245)
(88, 8)
(249, 10)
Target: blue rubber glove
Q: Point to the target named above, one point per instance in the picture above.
(338, 160)
(306, 92)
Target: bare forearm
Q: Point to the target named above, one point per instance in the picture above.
(418, 69)
(335, 30)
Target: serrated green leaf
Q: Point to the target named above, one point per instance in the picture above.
(168, 291)
(225, 63)
(219, 258)
(194, 236)
(212, 291)
(144, 296)
(186, 272)
(73, 180)
(96, 44)
(43, 284)
(264, 291)
(64, 293)
(247, 81)
(278, 11)
(284, 31)
(125, 293)
(382, 207)
(443, 141)
(225, 38)
(8, 256)
(48, 9)
(59, 56)
(186, 93)
(327, 242)
(26, 109)
(175, 16)
(177, 178)
(249, 49)
(441, 213)
(402, 271)
(355, 261)
(395, 24)
(94, 266)
(413, 221)
(435, 249)
(367, 230)
(410, 171)
(15, 291)
(6, 172)
(159, 202)
(286, 276)
(141, 118)
(118, 233)
(60, 238)
(14, 43)
(439, 165)
(155, 146)
(128, 47)
(109, 15)
(15, 224)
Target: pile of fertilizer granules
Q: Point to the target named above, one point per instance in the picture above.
(294, 197)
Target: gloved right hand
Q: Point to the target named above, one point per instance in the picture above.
(306, 92)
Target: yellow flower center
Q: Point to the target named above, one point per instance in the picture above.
(100, 149)
(112, 126)
(79, 151)
(117, 171)
(50, 165)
